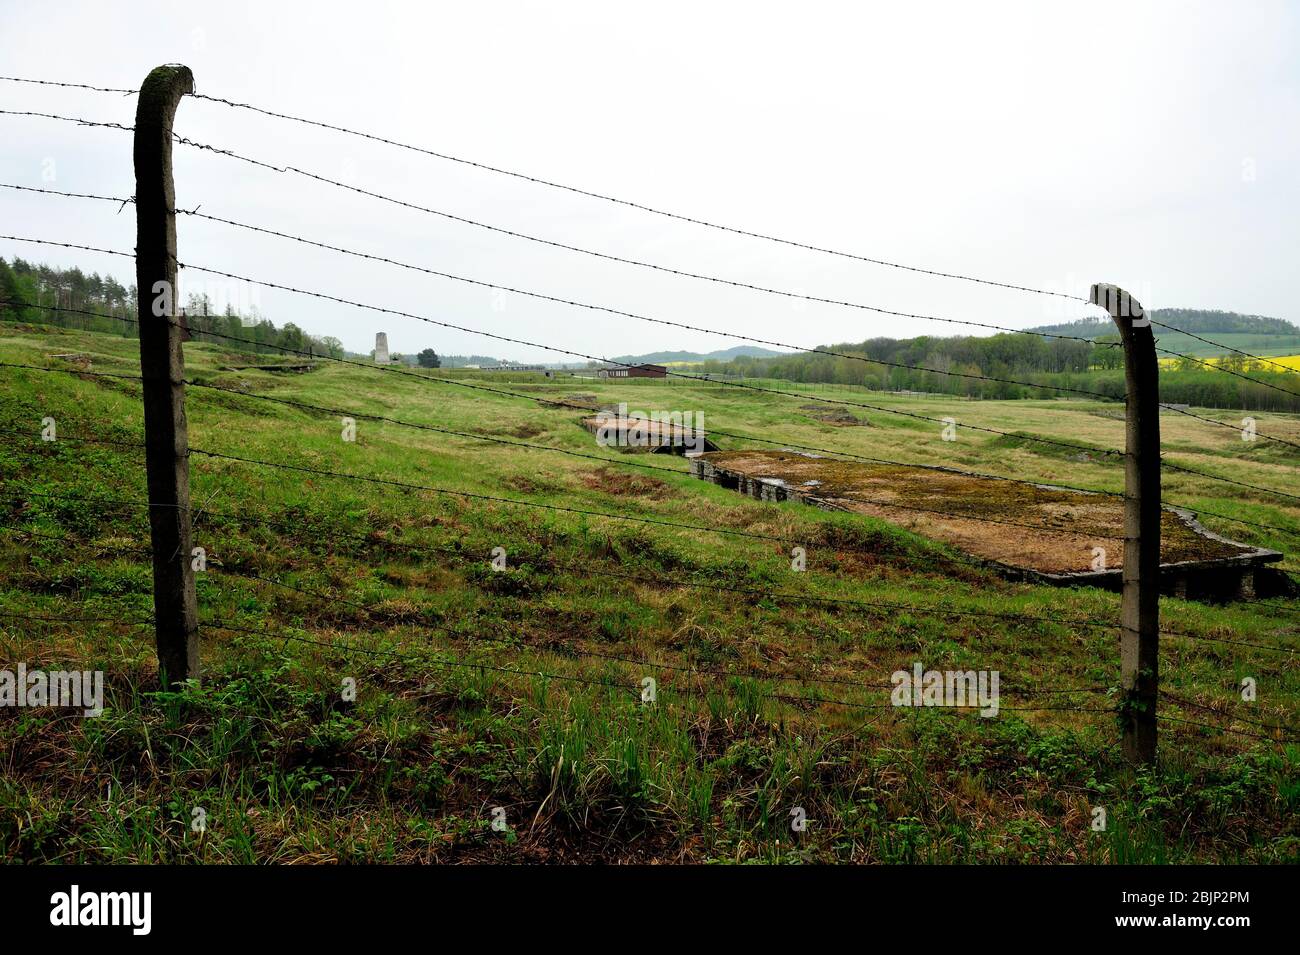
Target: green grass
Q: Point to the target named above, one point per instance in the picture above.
(1249, 342)
(451, 720)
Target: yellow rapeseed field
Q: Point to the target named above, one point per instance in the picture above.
(1290, 361)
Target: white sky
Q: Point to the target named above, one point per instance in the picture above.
(1153, 145)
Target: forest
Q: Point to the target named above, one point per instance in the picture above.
(69, 298)
(1010, 366)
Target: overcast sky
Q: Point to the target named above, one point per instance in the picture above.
(1153, 145)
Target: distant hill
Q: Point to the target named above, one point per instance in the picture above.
(1197, 320)
(725, 354)
(1256, 334)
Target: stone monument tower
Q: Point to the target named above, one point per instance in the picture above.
(381, 348)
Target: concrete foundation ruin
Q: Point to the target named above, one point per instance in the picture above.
(1034, 532)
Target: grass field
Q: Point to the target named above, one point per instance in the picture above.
(1252, 343)
(772, 686)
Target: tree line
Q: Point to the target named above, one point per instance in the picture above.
(42, 294)
(1028, 366)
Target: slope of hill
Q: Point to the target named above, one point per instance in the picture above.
(1256, 334)
(372, 565)
(723, 354)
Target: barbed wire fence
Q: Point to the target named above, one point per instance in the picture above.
(176, 620)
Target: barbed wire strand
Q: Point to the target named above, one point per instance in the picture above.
(1184, 702)
(1237, 351)
(1227, 371)
(519, 341)
(376, 615)
(194, 212)
(658, 580)
(545, 675)
(661, 580)
(1221, 729)
(559, 300)
(217, 455)
(618, 312)
(585, 192)
(79, 86)
(1081, 535)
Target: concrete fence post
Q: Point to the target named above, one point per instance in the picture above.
(162, 367)
(1140, 635)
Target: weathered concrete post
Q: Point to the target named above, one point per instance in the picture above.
(162, 366)
(1140, 637)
